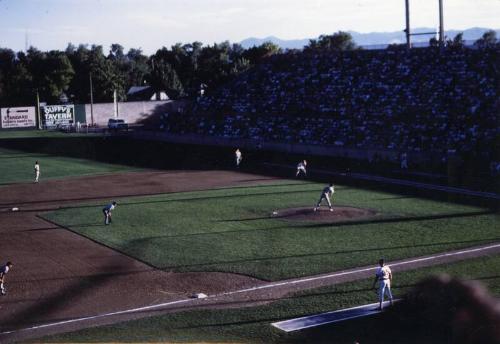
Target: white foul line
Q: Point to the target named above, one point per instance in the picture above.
(309, 279)
(133, 310)
(267, 286)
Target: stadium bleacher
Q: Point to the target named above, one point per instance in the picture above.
(431, 100)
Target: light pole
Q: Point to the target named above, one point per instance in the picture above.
(441, 25)
(91, 101)
(407, 30)
(38, 110)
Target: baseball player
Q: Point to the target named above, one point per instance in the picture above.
(239, 157)
(301, 167)
(107, 212)
(384, 276)
(3, 271)
(37, 171)
(404, 161)
(326, 194)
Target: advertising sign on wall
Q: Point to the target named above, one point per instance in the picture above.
(54, 116)
(18, 117)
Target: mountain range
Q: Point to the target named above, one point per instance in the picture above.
(375, 39)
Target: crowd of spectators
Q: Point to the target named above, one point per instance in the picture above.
(439, 100)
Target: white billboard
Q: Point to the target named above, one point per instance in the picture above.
(18, 117)
(57, 115)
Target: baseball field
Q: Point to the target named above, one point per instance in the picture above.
(247, 240)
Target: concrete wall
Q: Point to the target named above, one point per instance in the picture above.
(131, 112)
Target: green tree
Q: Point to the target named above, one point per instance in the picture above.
(79, 88)
(339, 41)
(165, 65)
(50, 72)
(116, 53)
(433, 42)
(487, 41)
(58, 74)
(7, 69)
(258, 53)
(457, 42)
(106, 76)
(138, 70)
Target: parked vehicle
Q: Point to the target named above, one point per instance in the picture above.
(117, 124)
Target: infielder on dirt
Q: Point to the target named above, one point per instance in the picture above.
(384, 275)
(301, 167)
(107, 212)
(326, 194)
(3, 271)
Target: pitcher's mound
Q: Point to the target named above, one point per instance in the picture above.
(323, 214)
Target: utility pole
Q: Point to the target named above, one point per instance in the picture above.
(91, 101)
(115, 105)
(38, 110)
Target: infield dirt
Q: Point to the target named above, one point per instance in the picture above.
(59, 275)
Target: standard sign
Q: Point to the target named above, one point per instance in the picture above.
(18, 117)
(57, 115)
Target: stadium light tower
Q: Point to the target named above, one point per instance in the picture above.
(408, 31)
(441, 25)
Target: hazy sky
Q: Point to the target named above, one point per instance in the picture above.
(151, 24)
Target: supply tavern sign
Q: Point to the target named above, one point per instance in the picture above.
(55, 116)
(18, 117)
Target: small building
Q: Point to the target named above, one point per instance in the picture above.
(144, 93)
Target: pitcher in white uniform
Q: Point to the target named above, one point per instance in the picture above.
(326, 194)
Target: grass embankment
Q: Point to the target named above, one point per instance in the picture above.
(231, 230)
(252, 325)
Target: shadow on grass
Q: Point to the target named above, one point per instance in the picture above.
(77, 289)
(302, 226)
(206, 322)
(403, 219)
(22, 156)
(72, 293)
(391, 198)
(97, 224)
(333, 253)
(40, 229)
(191, 199)
(486, 278)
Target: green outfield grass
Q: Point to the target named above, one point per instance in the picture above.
(252, 324)
(17, 166)
(231, 230)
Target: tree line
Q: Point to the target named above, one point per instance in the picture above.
(181, 70)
